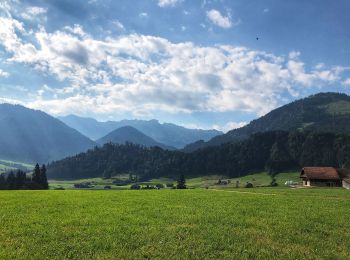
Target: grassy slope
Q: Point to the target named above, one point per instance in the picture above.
(168, 224)
(257, 179)
(6, 165)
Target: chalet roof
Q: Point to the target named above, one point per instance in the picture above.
(320, 173)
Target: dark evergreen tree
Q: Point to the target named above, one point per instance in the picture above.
(107, 174)
(3, 182)
(36, 175)
(20, 179)
(43, 178)
(11, 181)
(181, 182)
(279, 156)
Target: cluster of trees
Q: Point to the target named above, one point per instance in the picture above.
(20, 180)
(274, 151)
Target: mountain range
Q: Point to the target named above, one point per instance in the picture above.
(28, 135)
(313, 131)
(31, 136)
(168, 134)
(324, 112)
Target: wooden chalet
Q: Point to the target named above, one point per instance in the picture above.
(321, 177)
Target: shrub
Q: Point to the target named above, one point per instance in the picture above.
(273, 183)
(135, 187)
(249, 185)
(159, 186)
(170, 185)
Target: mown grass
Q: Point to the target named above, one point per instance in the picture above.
(260, 223)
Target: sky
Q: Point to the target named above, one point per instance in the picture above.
(197, 63)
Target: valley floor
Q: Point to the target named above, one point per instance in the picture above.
(265, 223)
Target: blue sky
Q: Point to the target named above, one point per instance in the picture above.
(193, 63)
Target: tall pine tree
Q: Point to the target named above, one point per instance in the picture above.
(20, 179)
(43, 178)
(181, 182)
(11, 181)
(36, 176)
(3, 183)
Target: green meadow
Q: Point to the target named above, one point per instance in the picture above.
(257, 179)
(265, 223)
(6, 165)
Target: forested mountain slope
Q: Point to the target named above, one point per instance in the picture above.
(128, 134)
(28, 135)
(273, 151)
(326, 112)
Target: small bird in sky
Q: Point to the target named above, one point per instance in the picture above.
(257, 38)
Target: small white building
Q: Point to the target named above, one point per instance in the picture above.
(346, 183)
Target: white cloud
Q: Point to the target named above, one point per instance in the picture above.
(140, 74)
(76, 29)
(218, 19)
(266, 10)
(4, 73)
(169, 3)
(347, 82)
(143, 15)
(229, 126)
(119, 25)
(33, 12)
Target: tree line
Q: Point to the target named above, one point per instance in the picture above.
(273, 151)
(21, 181)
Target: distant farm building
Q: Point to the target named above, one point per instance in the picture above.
(325, 177)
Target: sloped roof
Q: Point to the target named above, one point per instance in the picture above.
(320, 173)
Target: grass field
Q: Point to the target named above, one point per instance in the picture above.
(171, 224)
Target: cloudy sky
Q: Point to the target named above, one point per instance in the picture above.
(197, 63)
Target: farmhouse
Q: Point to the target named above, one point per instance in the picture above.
(325, 177)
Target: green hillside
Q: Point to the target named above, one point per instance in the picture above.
(275, 152)
(327, 112)
(211, 181)
(6, 166)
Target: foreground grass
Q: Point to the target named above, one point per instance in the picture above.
(169, 224)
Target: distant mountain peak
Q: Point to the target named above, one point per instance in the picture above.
(30, 135)
(129, 134)
(165, 133)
